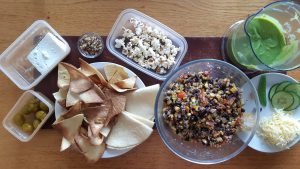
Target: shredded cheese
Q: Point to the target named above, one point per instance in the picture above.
(280, 129)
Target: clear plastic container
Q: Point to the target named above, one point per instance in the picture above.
(33, 55)
(123, 20)
(15, 130)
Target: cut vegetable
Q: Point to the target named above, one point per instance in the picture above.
(262, 90)
(272, 91)
(295, 103)
(282, 100)
(294, 88)
(282, 85)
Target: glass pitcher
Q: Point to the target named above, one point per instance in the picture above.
(267, 40)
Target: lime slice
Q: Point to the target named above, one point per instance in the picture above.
(267, 37)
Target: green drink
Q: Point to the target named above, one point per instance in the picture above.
(263, 43)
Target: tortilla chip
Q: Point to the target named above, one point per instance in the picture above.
(72, 98)
(114, 73)
(117, 108)
(60, 96)
(118, 89)
(91, 152)
(105, 130)
(79, 82)
(147, 122)
(127, 132)
(63, 77)
(126, 83)
(98, 114)
(141, 101)
(73, 111)
(89, 70)
(65, 144)
(90, 96)
(69, 127)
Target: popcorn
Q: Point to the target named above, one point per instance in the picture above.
(148, 47)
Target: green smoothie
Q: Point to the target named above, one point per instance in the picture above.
(267, 38)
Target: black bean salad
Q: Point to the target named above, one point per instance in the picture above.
(203, 109)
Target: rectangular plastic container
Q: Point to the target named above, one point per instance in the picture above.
(21, 61)
(123, 20)
(16, 131)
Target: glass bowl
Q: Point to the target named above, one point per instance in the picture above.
(194, 151)
(83, 40)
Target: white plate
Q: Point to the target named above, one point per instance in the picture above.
(258, 142)
(109, 153)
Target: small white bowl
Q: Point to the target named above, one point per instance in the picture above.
(16, 131)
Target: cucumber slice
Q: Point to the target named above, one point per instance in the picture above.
(282, 85)
(294, 88)
(272, 90)
(262, 94)
(282, 100)
(295, 104)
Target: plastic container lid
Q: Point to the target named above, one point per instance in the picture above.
(33, 55)
(123, 20)
(15, 130)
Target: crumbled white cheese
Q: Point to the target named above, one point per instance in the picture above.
(147, 46)
(280, 129)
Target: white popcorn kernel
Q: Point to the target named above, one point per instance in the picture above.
(119, 43)
(138, 31)
(125, 51)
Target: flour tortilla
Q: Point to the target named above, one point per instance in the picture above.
(127, 132)
(141, 101)
(147, 122)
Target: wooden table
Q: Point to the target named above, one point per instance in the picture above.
(73, 17)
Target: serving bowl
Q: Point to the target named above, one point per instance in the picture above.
(194, 151)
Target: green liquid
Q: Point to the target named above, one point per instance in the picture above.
(268, 43)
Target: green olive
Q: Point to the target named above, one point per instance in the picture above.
(40, 115)
(32, 108)
(19, 119)
(43, 106)
(34, 100)
(36, 123)
(26, 127)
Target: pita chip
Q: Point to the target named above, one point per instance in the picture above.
(79, 82)
(114, 73)
(72, 98)
(90, 71)
(69, 127)
(63, 77)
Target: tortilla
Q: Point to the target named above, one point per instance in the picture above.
(79, 82)
(91, 152)
(73, 111)
(127, 132)
(126, 83)
(118, 105)
(147, 122)
(60, 96)
(141, 101)
(63, 77)
(105, 130)
(90, 96)
(114, 73)
(65, 144)
(89, 71)
(72, 98)
(69, 127)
